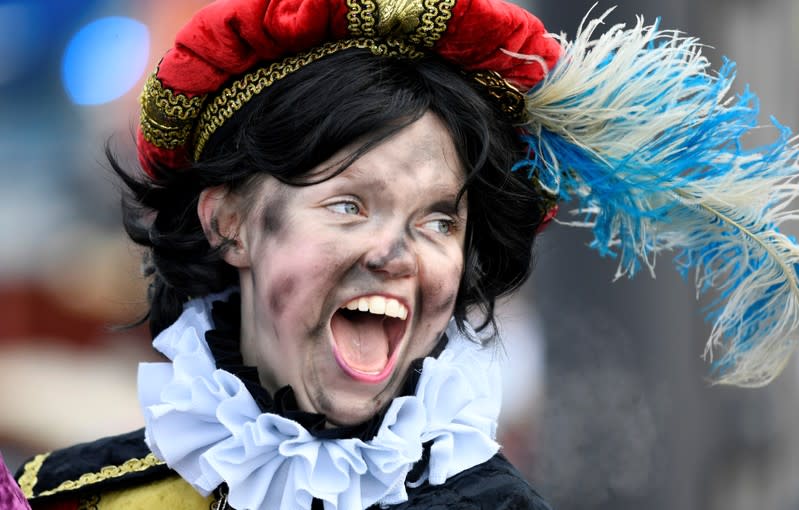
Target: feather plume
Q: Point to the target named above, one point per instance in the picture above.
(637, 129)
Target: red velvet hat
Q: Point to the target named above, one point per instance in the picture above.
(261, 41)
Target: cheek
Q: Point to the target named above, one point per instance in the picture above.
(439, 295)
(295, 274)
(444, 282)
(278, 293)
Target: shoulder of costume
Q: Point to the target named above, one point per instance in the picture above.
(109, 463)
(493, 484)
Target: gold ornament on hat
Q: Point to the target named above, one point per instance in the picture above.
(398, 18)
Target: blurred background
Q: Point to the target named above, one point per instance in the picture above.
(607, 402)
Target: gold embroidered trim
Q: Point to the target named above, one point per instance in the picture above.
(30, 474)
(106, 473)
(399, 18)
(234, 97)
(506, 96)
(437, 14)
(361, 16)
(167, 118)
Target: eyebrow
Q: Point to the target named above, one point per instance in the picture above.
(446, 206)
(447, 199)
(448, 203)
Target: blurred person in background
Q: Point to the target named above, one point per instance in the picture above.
(11, 497)
(330, 190)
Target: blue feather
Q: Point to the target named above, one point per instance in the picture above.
(638, 131)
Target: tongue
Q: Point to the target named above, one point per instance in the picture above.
(361, 342)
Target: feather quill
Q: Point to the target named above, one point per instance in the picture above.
(636, 128)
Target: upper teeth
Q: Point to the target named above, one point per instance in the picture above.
(378, 305)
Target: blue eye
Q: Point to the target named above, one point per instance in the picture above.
(441, 226)
(345, 208)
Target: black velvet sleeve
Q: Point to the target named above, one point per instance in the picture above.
(494, 485)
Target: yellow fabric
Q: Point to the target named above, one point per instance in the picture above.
(171, 493)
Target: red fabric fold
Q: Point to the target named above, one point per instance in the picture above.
(480, 29)
(229, 37)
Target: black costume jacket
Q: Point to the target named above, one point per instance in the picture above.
(120, 473)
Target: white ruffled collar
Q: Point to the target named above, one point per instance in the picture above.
(205, 425)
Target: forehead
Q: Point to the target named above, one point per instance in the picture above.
(421, 156)
(418, 161)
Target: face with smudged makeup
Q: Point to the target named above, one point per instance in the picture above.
(347, 281)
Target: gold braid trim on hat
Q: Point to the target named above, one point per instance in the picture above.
(167, 119)
(362, 17)
(230, 99)
(435, 16)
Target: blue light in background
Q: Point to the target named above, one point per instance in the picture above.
(104, 59)
(21, 40)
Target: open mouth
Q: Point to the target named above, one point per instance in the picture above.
(366, 334)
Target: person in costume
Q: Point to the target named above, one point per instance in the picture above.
(334, 194)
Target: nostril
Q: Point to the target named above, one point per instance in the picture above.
(373, 265)
(395, 256)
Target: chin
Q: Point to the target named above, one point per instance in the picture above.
(344, 408)
(345, 416)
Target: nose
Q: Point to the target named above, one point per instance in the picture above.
(391, 257)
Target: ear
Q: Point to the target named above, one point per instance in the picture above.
(223, 224)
